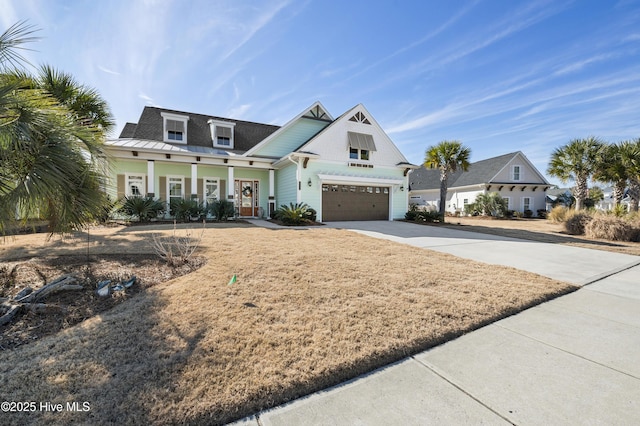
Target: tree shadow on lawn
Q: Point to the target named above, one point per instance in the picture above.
(123, 367)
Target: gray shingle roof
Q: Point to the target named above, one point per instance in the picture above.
(128, 130)
(150, 127)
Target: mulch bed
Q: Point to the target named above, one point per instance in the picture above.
(77, 306)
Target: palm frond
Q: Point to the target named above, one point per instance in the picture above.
(13, 40)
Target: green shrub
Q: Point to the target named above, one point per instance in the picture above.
(542, 213)
(471, 209)
(295, 214)
(619, 210)
(412, 213)
(183, 210)
(221, 210)
(142, 208)
(491, 203)
(528, 213)
(428, 216)
(575, 223)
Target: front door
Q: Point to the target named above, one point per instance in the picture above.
(247, 197)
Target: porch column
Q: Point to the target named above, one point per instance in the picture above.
(194, 181)
(272, 192)
(299, 179)
(151, 179)
(230, 184)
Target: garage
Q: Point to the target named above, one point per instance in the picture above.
(354, 202)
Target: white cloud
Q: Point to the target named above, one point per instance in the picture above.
(239, 111)
(107, 70)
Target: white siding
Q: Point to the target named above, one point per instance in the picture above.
(333, 145)
(527, 173)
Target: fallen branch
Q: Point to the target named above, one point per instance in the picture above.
(8, 316)
(63, 283)
(29, 299)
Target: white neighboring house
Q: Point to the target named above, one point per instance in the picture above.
(512, 175)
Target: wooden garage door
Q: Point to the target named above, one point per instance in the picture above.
(351, 202)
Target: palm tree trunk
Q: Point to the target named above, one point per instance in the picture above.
(443, 193)
(581, 192)
(618, 192)
(634, 193)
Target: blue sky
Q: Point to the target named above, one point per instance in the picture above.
(500, 76)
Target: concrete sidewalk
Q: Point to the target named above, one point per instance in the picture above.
(573, 360)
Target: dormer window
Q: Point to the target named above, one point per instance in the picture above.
(174, 127)
(222, 133)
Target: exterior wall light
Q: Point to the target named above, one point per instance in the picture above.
(309, 182)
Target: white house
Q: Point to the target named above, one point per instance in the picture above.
(345, 168)
(512, 175)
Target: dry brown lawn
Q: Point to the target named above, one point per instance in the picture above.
(310, 308)
(538, 230)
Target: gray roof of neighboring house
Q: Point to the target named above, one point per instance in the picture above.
(478, 173)
(150, 127)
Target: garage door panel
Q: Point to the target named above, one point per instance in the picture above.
(351, 202)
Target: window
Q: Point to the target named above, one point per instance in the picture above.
(465, 202)
(175, 130)
(211, 190)
(358, 154)
(223, 136)
(516, 175)
(175, 189)
(135, 186)
(222, 133)
(508, 202)
(175, 127)
(526, 203)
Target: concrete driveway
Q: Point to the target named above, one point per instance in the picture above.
(573, 360)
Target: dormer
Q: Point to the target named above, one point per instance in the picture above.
(222, 133)
(174, 128)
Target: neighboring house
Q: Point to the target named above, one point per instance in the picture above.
(554, 193)
(346, 168)
(512, 175)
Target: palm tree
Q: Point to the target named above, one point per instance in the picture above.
(447, 156)
(50, 147)
(611, 169)
(577, 161)
(630, 156)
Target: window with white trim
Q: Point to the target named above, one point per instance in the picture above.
(222, 133)
(175, 188)
(508, 201)
(527, 204)
(135, 186)
(358, 154)
(211, 190)
(516, 173)
(174, 127)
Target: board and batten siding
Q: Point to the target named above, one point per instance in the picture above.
(286, 185)
(291, 138)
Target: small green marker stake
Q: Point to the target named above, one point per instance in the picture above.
(233, 279)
